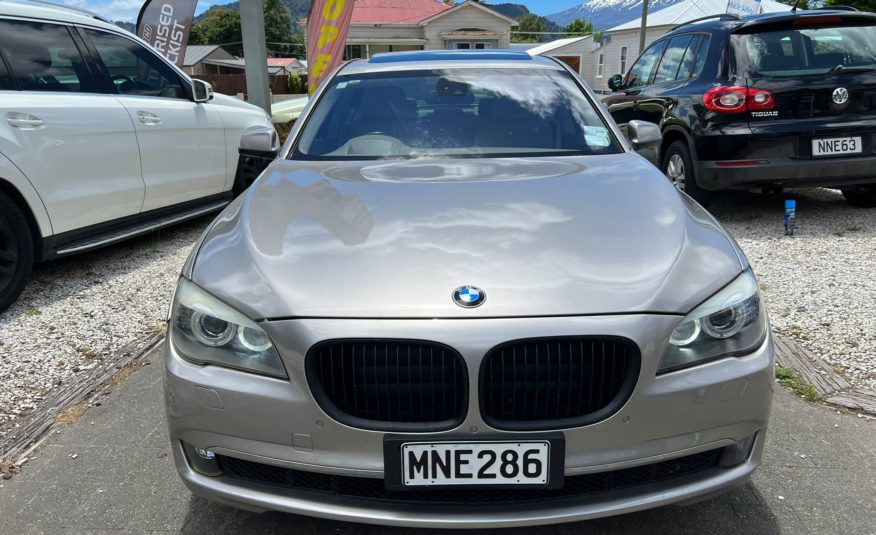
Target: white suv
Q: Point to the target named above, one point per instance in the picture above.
(102, 139)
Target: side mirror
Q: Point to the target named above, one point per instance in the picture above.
(643, 135)
(616, 82)
(262, 142)
(201, 91)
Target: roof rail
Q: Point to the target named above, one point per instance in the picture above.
(720, 16)
(65, 7)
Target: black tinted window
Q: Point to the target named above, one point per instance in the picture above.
(640, 72)
(672, 58)
(803, 51)
(454, 112)
(134, 69)
(684, 69)
(6, 81)
(43, 57)
(700, 60)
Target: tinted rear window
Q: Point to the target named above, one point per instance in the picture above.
(454, 112)
(804, 51)
(42, 57)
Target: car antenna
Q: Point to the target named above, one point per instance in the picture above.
(794, 6)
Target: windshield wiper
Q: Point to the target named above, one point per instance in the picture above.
(854, 68)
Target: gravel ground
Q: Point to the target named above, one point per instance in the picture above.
(819, 287)
(79, 310)
(820, 284)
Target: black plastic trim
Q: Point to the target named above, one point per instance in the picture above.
(619, 400)
(52, 244)
(331, 410)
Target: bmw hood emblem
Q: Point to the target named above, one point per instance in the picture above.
(840, 95)
(469, 296)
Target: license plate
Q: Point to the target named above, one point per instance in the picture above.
(527, 463)
(836, 145)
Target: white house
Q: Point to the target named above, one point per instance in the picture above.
(575, 51)
(619, 46)
(398, 25)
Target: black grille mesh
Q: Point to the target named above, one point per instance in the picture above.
(392, 381)
(373, 489)
(544, 381)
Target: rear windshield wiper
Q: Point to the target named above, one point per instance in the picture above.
(853, 68)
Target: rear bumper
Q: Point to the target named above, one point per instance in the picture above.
(788, 172)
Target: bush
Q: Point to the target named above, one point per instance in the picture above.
(296, 83)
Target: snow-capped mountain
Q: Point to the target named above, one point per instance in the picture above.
(604, 14)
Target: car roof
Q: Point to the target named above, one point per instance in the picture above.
(41, 10)
(444, 59)
(727, 22)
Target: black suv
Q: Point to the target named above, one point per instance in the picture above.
(762, 102)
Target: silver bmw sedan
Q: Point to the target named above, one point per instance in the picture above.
(460, 298)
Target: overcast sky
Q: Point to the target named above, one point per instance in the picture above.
(128, 9)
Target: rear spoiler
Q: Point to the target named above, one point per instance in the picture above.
(814, 16)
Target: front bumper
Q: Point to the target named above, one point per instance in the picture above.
(277, 422)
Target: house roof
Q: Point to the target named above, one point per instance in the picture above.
(553, 45)
(396, 11)
(241, 64)
(692, 9)
(196, 53)
(472, 3)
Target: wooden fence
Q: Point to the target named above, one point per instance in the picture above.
(232, 84)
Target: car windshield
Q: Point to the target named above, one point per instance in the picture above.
(805, 51)
(454, 112)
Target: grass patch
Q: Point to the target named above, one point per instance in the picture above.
(790, 380)
(32, 313)
(70, 414)
(7, 468)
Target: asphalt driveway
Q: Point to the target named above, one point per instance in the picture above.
(819, 476)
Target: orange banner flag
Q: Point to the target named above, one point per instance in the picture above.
(327, 28)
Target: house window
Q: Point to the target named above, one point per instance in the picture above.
(354, 52)
(468, 45)
(600, 66)
(623, 60)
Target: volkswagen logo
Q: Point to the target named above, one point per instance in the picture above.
(469, 296)
(840, 95)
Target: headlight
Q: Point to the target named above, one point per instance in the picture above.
(731, 322)
(205, 330)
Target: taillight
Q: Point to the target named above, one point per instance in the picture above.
(735, 99)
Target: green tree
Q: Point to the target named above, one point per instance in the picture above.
(529, 29)
(220, 27)
(577, 28)
(278, 22)
(862, 5)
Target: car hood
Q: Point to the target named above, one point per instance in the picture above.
(287, 110)
(541, 236)
(232, 102)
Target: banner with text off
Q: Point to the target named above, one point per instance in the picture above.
(166, 24)
(327, 28)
